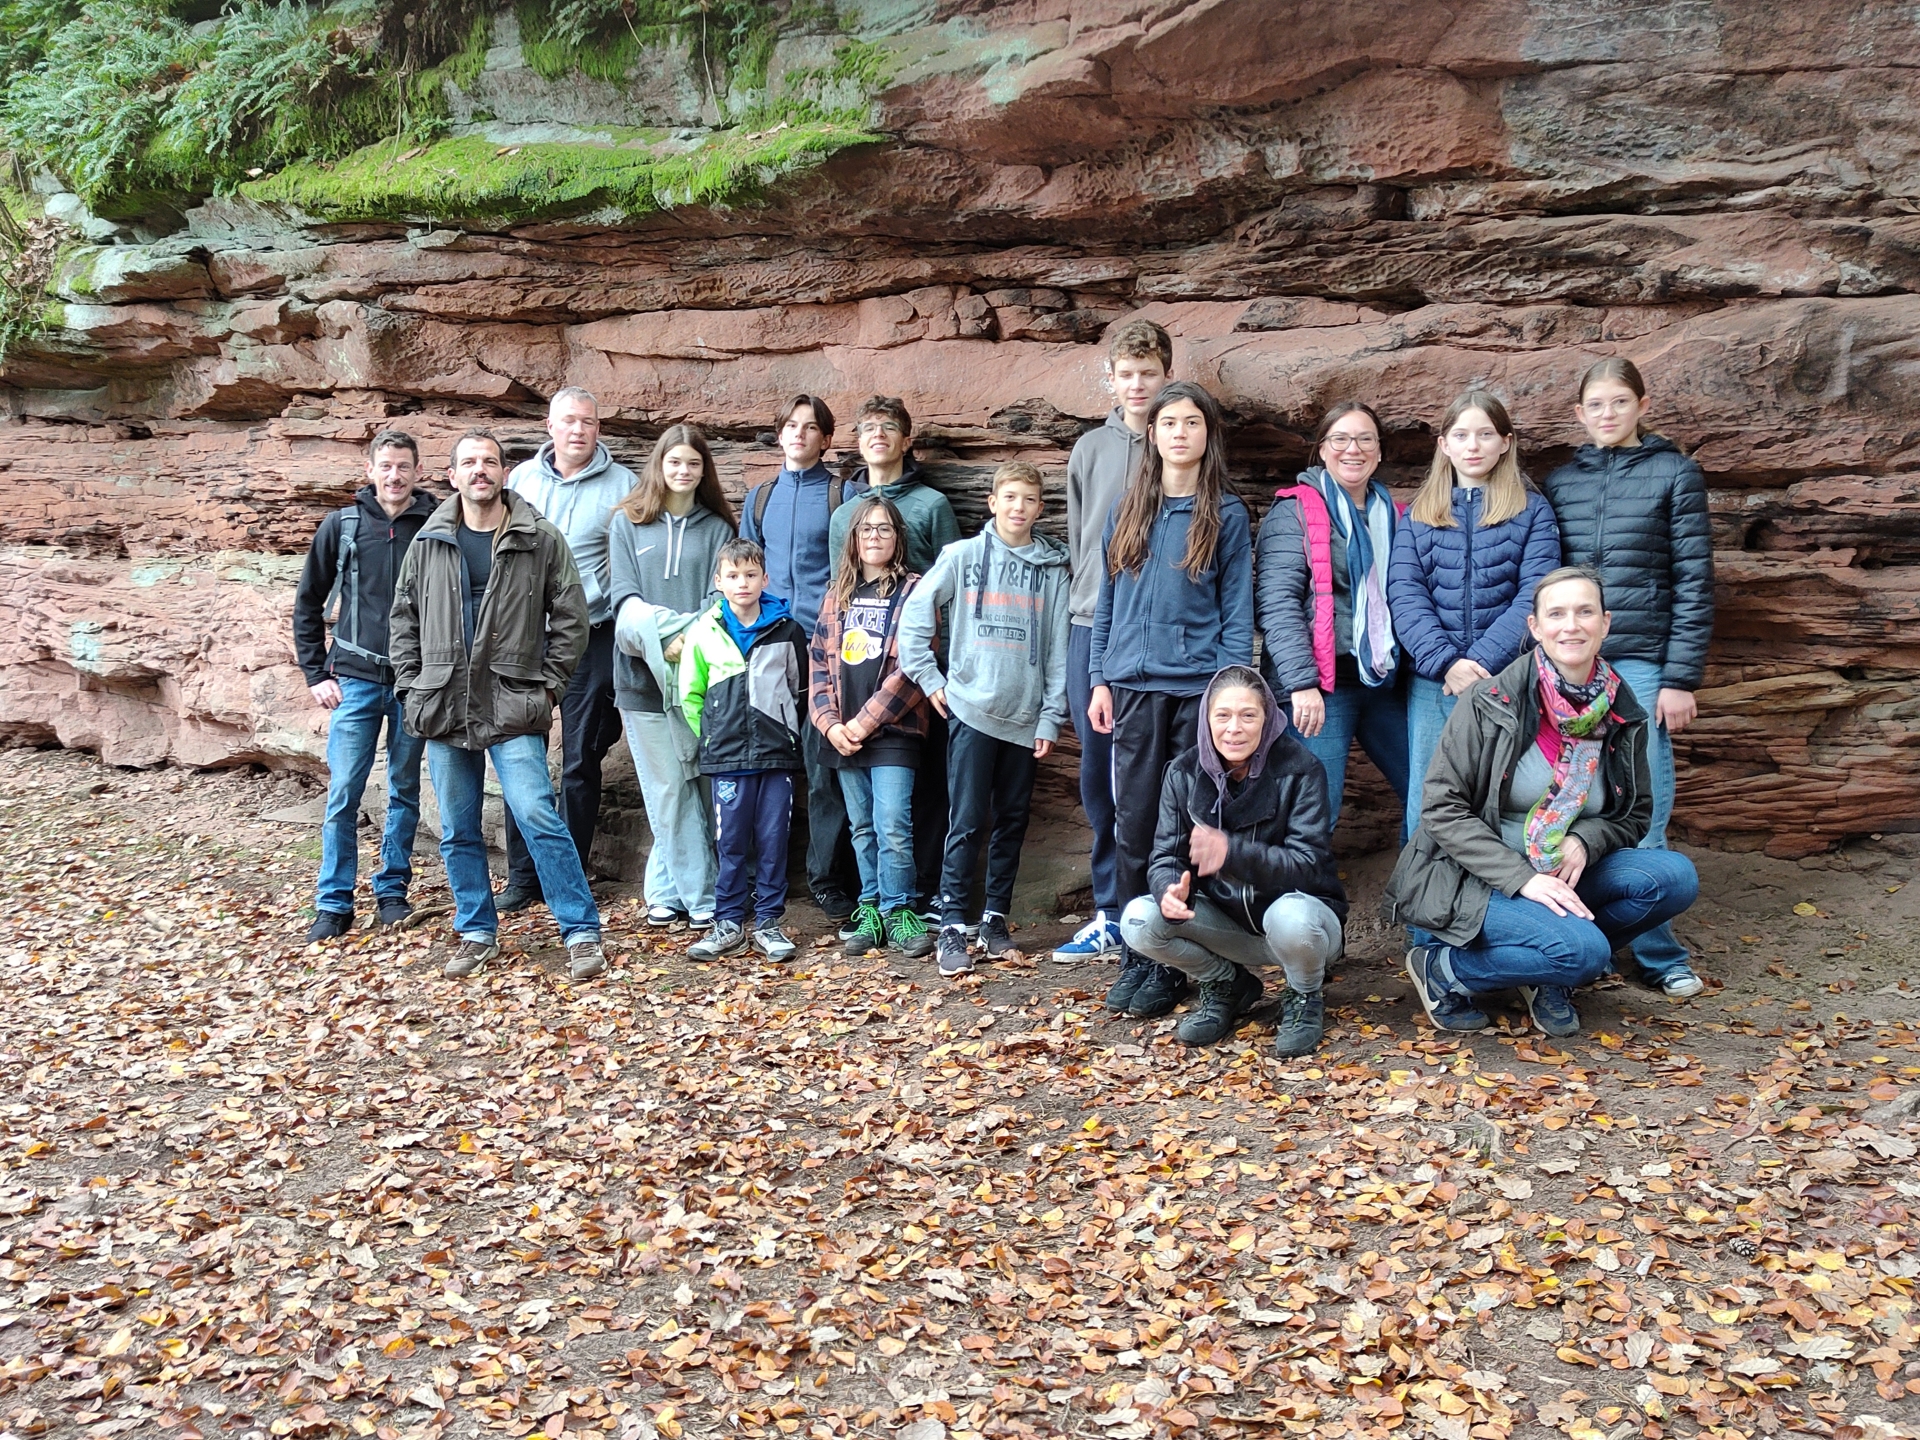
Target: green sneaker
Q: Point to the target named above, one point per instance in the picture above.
(907, 933)
(866, 930)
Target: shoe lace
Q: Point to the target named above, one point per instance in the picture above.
(1092, 930)
(907, 925)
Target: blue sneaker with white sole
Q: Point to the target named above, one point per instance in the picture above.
(1099, 936)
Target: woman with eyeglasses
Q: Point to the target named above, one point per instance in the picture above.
(1634, 507)
(1325, 617)
(1475, 542)
(874, 719)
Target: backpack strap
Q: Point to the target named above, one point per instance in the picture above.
(342, 610)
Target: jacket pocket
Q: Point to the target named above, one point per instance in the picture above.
(428, 711)
(521, 707)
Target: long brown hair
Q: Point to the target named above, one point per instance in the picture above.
(847, 573)
(1141, 504)
(649, 494)
(1505, 486)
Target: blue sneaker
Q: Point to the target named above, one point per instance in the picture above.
(1551, 1007)
(1445, 1009)
(1099, 936)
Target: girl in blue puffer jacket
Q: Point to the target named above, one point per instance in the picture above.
(1460, 586)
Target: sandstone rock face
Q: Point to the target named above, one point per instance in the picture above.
(1378, 201)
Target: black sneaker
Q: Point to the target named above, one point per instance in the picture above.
(952, 951)
(329, 925)
(1163, 988)
(1446, 1010)
(867, 932)
(995, 936)
(836, 905)
(1303, 1023)
(1219, 1008)
(392, 912)
(1133, 969)
(516, 897)
(907, 933)
(1551, 1007)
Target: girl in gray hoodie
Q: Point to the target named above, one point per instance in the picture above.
(661, 544)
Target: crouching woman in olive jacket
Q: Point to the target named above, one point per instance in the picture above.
(1242, 869)
(1524, 867)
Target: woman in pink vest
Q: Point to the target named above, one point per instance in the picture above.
(1321, 593)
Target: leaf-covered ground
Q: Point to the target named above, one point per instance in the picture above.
(252, 1188)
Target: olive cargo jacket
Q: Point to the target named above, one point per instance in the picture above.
(528, 637)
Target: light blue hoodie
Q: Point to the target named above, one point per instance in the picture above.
(580, 507)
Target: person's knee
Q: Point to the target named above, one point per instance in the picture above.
(1679, 882)
(1141, 923)
(1577, 956)
(1296, 924)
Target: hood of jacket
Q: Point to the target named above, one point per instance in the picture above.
(773, 610)
(910, 476)
(549, 471)
(1597, 458)
(1211, 765)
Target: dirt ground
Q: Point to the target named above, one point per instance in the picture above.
(257, 1188)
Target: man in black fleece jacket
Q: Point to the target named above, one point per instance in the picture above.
(348, 582)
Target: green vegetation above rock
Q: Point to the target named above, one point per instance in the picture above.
(468, 179)
(144, 106)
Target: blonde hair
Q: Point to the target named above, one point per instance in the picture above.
(1017, 472)
(1506, 487)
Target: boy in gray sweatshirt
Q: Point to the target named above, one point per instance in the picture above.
(1003, 598)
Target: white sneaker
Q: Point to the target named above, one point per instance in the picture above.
(772, 942)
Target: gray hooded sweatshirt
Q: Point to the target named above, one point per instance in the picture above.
(1005, 612)
(1102, 463)
(579, 507)
(668, 563)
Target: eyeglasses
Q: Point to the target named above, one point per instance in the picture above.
(1353, 442)
(875, 532)
(879, 427)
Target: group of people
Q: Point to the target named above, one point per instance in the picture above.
(1514, 661)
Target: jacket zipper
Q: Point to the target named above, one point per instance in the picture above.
(1472, 497)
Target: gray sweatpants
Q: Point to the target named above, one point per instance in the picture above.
(1301, 935)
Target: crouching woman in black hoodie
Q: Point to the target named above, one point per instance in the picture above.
(1242, 870)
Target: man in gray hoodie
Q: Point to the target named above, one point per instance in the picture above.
(574, 482)
(1002, 598)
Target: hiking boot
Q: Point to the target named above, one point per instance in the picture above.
(1303, 1023)
(1680, 982)
(392, 912)
(1219, 1007)
(1133, 969)
(867, 932)
(1551, 1007)
(516, 897)
(468, 959)
(907, 933)
(772, 942)
(727, 937)
(662, 917)
(1099, 936)
(1446, 1010)
(995, 938)
(1163, 988)
(329, 925)
(954, 959)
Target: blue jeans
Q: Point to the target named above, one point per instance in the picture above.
(353, 734)
(1657, 950)
(1522, 942)
(1428, 706)
(680, 862)
(880, 814)
(459, 782)
(1096, 772)
(1377, 718)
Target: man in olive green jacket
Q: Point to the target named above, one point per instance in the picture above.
(488, 622)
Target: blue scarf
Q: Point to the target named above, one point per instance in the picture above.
(1369, 538)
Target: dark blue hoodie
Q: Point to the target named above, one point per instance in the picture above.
(795, 538)
(1167, 631)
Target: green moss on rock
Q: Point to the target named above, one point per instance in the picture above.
(469, 179)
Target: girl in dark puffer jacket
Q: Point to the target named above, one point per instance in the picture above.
(1633, 507)
(1475, 543)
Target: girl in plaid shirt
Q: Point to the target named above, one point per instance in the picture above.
(875, 721)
